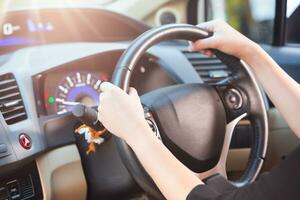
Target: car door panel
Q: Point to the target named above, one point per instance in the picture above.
(288, 57)
(282, 140)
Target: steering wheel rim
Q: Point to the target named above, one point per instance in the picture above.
(121, 78)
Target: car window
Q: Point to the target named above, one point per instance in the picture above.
(292, 21)
(253, 18)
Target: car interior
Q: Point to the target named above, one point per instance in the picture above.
(54, 54)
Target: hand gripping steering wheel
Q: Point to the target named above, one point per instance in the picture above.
(196, 121)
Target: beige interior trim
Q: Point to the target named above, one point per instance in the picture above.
(282, 140)
(237, 159)
(62, 175)
(276, 120)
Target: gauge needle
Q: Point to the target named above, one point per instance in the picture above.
(67, 103)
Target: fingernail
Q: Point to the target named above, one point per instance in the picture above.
(190, 47)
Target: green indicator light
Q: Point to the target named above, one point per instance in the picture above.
(51, 100)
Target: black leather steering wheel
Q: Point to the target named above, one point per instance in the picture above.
(196, 121)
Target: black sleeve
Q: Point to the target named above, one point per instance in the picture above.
(282, 182)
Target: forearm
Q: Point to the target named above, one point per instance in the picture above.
(123, 115)
(280, 87)
(171, 176)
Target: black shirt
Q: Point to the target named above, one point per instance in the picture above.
(281, 183)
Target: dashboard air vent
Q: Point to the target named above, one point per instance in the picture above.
(11, 103)
(210, 69)
(26, 186)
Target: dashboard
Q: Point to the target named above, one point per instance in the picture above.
(28, 28)
(40, 83)
(50, 83)
(64, 65)
(59, 89)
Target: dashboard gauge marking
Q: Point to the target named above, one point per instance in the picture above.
(80, 84)
(62, 111)
(78, 77)
(68, 103)
(58, 100)
(104, 77)
(70, 81)
(97, 84)
(64, 90)
(77, 87)
(88, 79)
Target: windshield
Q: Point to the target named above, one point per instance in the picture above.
(153, 13)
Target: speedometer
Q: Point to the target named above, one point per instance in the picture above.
(77, 87)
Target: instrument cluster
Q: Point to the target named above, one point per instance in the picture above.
(60, 88)
(76, 87)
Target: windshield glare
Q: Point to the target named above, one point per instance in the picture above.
(153, 13)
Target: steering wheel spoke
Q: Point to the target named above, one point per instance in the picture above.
(220, 168)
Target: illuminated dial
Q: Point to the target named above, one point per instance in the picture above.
(78, 87)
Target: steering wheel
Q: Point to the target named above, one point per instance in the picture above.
(196, 121)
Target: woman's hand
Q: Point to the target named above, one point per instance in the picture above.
(225, 39)
(122, 114)
(275, 81)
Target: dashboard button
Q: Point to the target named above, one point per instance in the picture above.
(233, 99)
(25, 141)
(13, 189)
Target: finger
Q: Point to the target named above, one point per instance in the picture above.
(209, 26)
(133, 93)
(100, 116)
(99, 112)
(107, 86)
(209, 53)
(190, 48)
(202, 51)
(204, 44)
(101, 97)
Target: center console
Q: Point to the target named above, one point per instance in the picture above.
(21, 184)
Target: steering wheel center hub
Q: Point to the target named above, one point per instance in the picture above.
(191, 119)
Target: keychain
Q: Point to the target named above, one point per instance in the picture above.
(91, 136)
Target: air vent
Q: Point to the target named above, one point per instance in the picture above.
(210, 69)
(26, 186)
(11, 103)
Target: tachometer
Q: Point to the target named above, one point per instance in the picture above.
(78, 87)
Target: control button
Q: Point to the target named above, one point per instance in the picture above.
(154, 128)
(149, 118)
(3, 193)
(13, 189)
(233, 99)
(25, 141)
(152, 125)
(3, 148)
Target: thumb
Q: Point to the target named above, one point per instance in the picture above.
(133, 94)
